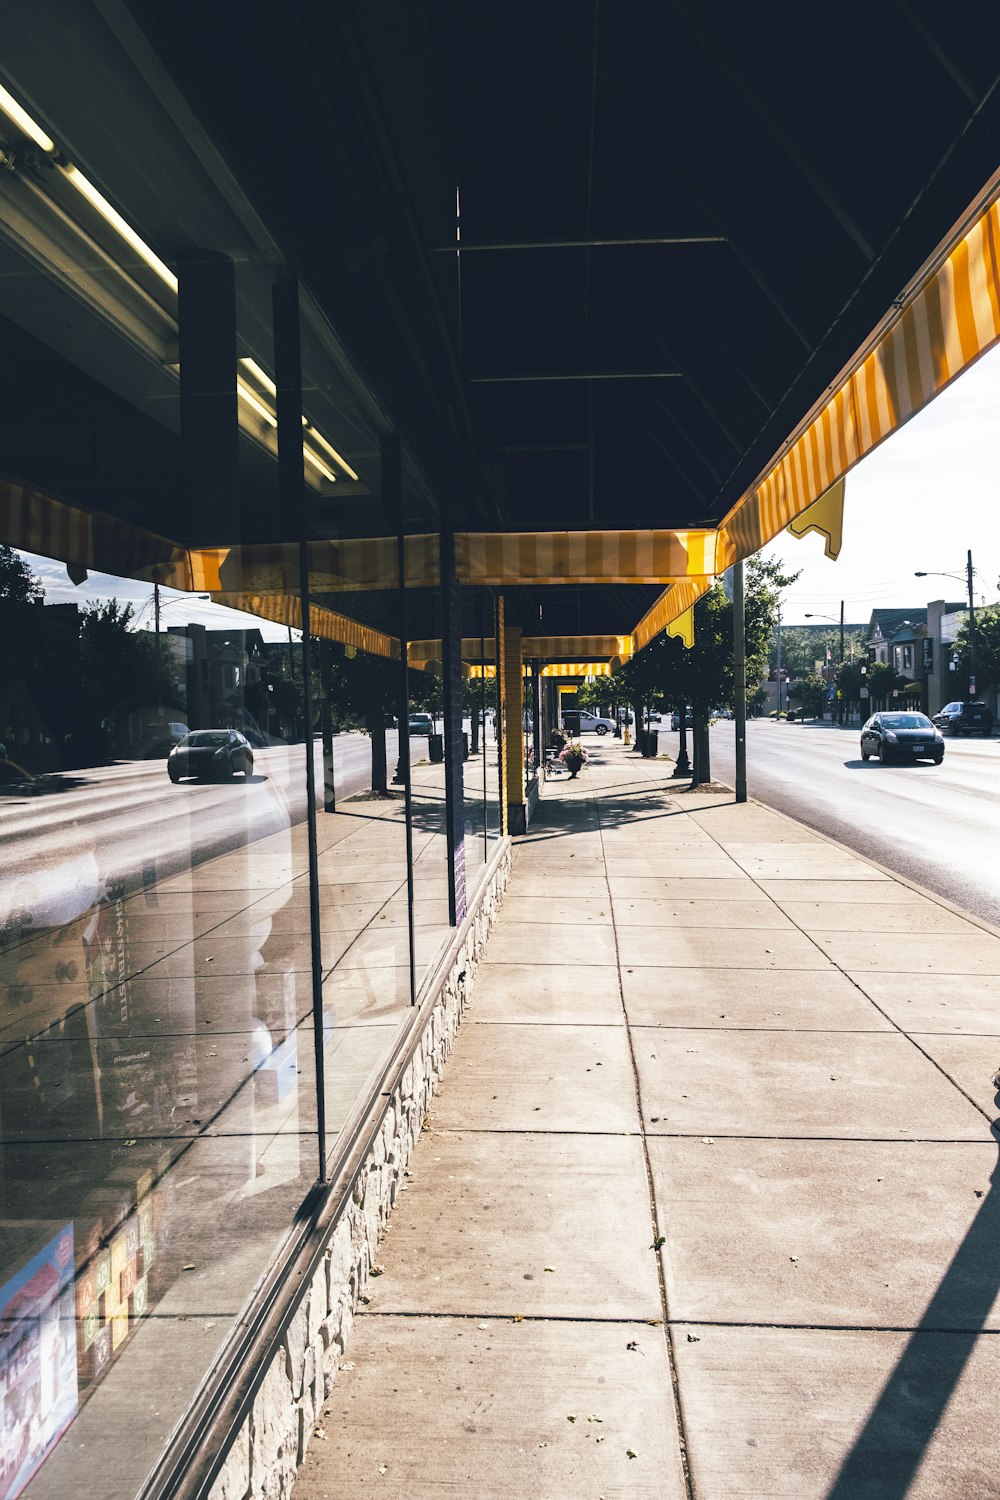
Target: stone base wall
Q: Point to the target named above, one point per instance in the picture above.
(263, 1460)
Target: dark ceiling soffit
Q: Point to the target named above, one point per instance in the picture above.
(586, 375)
(154, 52)
(463, 247)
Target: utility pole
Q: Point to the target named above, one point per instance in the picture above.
(840, 699)
(972, 629)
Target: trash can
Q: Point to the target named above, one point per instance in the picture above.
(465, 745)
(435, 747)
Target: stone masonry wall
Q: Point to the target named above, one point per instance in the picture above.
(271, 1444)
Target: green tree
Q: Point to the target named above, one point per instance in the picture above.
(809, 693)
(883, 679)
(668, 674)
(364, 691)
(987, 650)
(18, 585)
(851, 678)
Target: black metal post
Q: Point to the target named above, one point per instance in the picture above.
(291, 490)
(740, 681)
(972, 629)
(683, 766)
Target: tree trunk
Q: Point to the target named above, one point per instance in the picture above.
(474, 748)
(702, 749)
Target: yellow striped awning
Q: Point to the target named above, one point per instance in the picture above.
(286, 609)
(947, 317)
(36, 522)
(584, 557)
(672, 603)
(577, 669)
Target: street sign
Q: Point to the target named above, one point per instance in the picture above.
(863, 693)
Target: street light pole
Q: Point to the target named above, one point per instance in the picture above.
(840, 702)
(969, 572)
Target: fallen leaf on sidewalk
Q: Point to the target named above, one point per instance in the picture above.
(629, 1453)
(659, 1242)
(693, 1338)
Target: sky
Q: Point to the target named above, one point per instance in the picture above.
(920, 501)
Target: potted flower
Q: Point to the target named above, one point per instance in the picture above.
(573, 756)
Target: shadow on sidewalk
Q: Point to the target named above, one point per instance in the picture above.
(892, 1445)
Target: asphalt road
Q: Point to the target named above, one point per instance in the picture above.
(127, 824)
(937, 825)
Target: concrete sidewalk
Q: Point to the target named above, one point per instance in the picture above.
(705, 1029)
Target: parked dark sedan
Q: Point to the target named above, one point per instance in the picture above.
(210, 754)
(965, 718)
(901, 736)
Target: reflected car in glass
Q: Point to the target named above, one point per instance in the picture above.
(210, 755)
(965, 718)
(901, 736)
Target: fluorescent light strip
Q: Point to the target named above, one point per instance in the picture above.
(246, 394)
(24, 122)
(328, 448)
(261, 376)
(264, 380)
(111, 216)
(318, 463)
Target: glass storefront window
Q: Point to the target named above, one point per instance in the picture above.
(160, 1120)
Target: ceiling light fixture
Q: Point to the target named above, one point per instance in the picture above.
(318, 463)
(24, 122)
(254, 402)
(261, 376)
(111, 216)
(329, 449)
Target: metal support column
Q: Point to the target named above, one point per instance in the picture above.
(510, 668)
(740, 681)
(454, 769)
(391, 463)
(291, 498)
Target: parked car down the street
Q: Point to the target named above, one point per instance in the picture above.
(901, 736)
(965, 718)
(211, 755)
(421, 724)
(594, 723)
